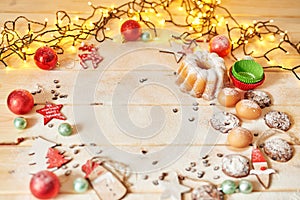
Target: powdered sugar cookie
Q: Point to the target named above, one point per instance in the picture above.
(259, 97)
(236, 165)
(278, 149)
(224, 121)
(277, 119)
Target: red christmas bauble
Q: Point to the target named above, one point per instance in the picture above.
(220, 45)
(131, 30)
(45, 58)
(20, 102)
(44, 185)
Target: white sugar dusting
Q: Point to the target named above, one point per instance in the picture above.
(249, 104)
(230, 91)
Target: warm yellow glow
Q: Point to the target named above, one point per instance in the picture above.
(76, 18)
(180, 8)
(162, 22)
(271, 21)
(46, 19)
(73, 48)
(89, 3)
(272, 38)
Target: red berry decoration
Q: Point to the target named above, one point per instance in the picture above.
(44, 185)
(220, 45)
(45, 58)
(131, 30)
(20, 102)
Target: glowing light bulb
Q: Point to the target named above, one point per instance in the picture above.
(89, 3)
(271, 21)
(46, 19)
(180, 8)
(272, 38)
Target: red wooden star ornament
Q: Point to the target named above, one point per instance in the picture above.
(51, 111)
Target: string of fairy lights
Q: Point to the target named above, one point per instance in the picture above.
(202, 20)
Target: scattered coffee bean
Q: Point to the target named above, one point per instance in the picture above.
(76, 151)
(261, 145)
(191, 119)
(144, 151)
(216, 177)
(56, 81)
(212, 104)
(195, 104)
(33, 93)
(142, 80)
(99, 151)
(64, 167)
(50, 125)
(54, 98)
(216, 168)
(39, 91)
(195, 108)
(68, 172)
(57, 86)
(81, 145)
(204, 157)
(53, 91)
(206, 165)
(205, 161)
(200, 174)
(188, 169)
(76, 165)
(175, 73)
(193, 170)
(193, 164)
(175, 110)
(145, 177)
(72, 146)
(154, 162)
(255, 134)
(93, 144)
(155, 182)
(220, 155)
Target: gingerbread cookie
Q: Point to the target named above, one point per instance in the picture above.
(277, 119)
(224, 121)
(235, 165)
(259, 97)
(278, 149)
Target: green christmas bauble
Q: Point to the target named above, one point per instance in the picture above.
(80, 185)
(245, 186)
(228, 187)
(20, 123)
(65, 129)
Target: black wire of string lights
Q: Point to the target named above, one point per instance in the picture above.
(201, 21)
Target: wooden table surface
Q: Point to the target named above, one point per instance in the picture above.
(14, 159)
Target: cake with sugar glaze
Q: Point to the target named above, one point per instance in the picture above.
(201, 74)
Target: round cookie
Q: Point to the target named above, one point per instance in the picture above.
(239, 137)
(278, 149)
(224, 121)
(235, 165)
(259, 97)
(228, 97)
(248, 109)
(277, 119)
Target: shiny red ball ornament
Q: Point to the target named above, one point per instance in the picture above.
(44, 185)
(20, 102)
(45, 58)
(220, 45)
(131, 30)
